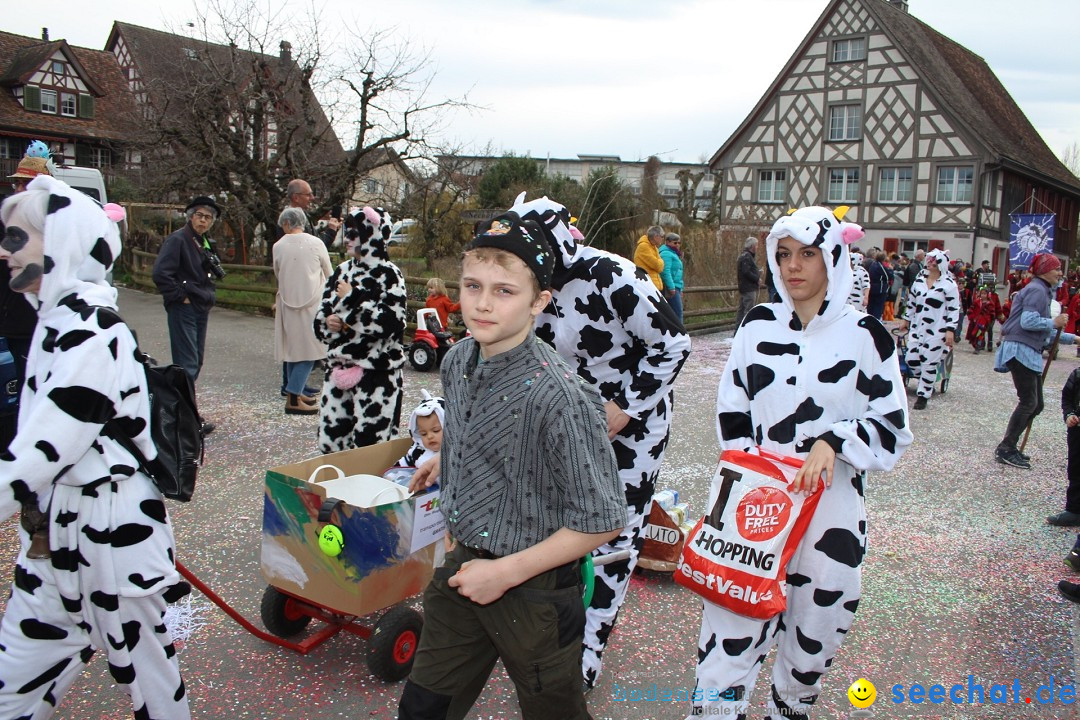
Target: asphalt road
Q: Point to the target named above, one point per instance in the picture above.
(958, 579)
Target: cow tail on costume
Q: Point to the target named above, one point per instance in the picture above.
(111, 570)
(784, 387)
(930, 311)
(610, 322)
(361, 399)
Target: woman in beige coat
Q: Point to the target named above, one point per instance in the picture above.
(301, 265)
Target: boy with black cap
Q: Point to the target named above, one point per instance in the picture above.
(529, 486)
(186, 285)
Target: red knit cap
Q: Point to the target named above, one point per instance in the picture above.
(1044, 263)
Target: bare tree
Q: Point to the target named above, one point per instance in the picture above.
(1071, 158)
(254, 101)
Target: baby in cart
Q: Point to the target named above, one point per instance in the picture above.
(425, 427)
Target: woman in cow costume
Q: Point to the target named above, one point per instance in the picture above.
(623, 337)
(99, 570)
(860, 286)
(362, 320)
(932, 312)
(809, 377)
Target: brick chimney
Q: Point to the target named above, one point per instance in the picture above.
(45, 34)
(286, 52)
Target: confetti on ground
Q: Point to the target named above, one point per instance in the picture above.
(958, 580)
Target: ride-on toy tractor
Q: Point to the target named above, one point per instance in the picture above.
(430, 341)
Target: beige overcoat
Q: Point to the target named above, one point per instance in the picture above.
(301, 265)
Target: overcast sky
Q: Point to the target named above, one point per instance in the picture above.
(631, 78)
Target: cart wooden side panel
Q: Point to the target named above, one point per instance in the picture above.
(376, 567)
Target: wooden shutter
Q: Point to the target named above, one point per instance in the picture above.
(32, 98)
(937, 244)
(891, 245)
(86, 105)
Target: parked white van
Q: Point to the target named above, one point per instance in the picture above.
(84, 179)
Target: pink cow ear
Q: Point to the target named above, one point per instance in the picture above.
(115, 212)
(851, 233)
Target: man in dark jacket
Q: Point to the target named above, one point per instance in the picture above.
(911, 272)
(182, 276)
(749, 280)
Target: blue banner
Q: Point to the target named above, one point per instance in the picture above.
(1029, 235)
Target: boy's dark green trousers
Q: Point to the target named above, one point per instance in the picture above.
(536, 630)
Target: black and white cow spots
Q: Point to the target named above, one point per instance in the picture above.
(843, 387)
(84, 373)
(624, 339)
(932, 308)
(374, 312)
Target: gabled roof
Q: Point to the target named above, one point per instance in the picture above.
(28, 59)
(162, 58)
(114, 107)
(960, 81)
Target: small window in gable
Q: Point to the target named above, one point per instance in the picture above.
(849, 50)
(58, 67)
(68, 105)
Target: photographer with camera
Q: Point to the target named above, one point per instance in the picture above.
(184, 273)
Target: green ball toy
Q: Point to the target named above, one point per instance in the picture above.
(331, 540)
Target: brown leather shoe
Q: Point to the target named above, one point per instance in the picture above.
(300, 405)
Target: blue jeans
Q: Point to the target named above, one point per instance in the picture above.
(187, 337)
(297, 375)
(675, 301)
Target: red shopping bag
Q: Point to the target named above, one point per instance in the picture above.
(737, 554)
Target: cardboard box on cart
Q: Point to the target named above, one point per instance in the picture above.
(378, 566)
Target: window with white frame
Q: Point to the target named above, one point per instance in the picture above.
(894, 185)
(772, 186)
(68, 105)
(954, 184)
(844, 122)
(58, 67)
(989, 190)
(843, 185)
(48, 101)
(100, 157)
(849, 50)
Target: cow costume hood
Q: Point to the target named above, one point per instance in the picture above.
(822, 228)
(81, 244)
(366, 231)
(561, 236)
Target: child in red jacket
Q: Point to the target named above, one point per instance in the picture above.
(438, 299)
(981, 315)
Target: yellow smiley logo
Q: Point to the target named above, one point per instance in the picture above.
(862, 693)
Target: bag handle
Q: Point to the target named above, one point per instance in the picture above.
(340, 473)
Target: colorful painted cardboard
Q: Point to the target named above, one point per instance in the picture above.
(377, 566)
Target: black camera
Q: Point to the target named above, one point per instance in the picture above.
(212, 264)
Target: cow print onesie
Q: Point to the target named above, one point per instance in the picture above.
(784, 387)
(111, 571)
(930, 311)
(369, 347)
(610, 322)
(860, 283)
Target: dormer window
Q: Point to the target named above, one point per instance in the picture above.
(48, 101)
(68, 105)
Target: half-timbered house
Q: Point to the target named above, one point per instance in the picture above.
(878, 111)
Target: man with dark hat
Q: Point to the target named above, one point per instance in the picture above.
(183, 275)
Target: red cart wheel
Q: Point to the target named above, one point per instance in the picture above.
(281, 614)
(393, 642)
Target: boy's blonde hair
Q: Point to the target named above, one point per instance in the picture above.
(505, 260)
(437, 285)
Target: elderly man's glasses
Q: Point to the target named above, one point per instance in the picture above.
(204, 216)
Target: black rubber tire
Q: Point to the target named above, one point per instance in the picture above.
(279, 614)
(422, 356)
(393, 642)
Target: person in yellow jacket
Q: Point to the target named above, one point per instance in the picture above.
(647, 255)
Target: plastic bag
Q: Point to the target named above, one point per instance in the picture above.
(737, 555)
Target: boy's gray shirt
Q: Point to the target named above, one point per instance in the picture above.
(525, 450)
